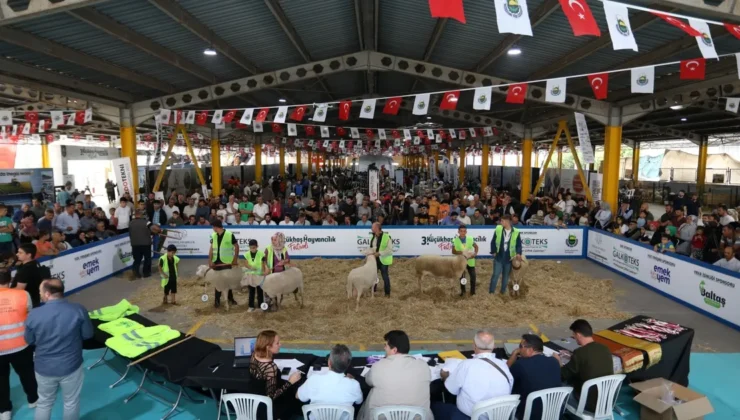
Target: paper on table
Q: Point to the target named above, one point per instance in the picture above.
(323, 370)
(548, 351)
(452, 354)
(293, 364)
(451, 364)
(420, 357)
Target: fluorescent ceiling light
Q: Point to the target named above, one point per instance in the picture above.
(677, 107)
(683, 119)
(281, 100)
(514, 50)
(209, 51)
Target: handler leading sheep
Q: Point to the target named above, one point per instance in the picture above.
(223, 255)
(505, 247)
(382, 243)
(462, 243)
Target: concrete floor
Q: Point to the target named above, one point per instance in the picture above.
(711, 336)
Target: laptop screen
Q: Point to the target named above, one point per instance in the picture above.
(244, 346)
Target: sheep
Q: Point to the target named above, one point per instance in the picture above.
(437, 266)
(221, 280)
(516, 278)
(275, 285)
(364, 277)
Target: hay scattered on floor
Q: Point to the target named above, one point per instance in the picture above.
(556, 294)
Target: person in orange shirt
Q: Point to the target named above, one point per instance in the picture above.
(15, 304)
(434, 207)
(44, 246)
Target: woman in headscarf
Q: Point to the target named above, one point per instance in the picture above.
(276, 254)
(604, 216)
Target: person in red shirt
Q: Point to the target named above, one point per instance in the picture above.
(697, 243)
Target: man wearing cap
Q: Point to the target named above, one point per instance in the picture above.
(383, 245)
(168, 272)
(223, 254)
(461, 243)
(505, 247)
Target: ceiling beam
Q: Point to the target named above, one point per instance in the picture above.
(724, 10)
(53, 49)
(539, 16)
(12, 12)
(366, 16)
(439, 27)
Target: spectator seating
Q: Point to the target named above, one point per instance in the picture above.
(499, 408)
(608, 389)
(246, 405)
(328, 412)
(553, 402)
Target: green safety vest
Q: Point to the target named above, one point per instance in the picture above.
(111, 313)
(120, 326)
(166, 269)
(385, 239)
(254, 264)
(226, 250)
(512, 242)
(469, 242)
(270, 255)
(137, 342)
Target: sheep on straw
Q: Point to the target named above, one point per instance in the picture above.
(363, 278)
(438, 266)
(221, 280)
(276, 285)
(518, 274)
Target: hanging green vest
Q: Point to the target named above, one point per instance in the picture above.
(166, 268)
(512, 242)
(226, 250)
(270, 255)
(469, 242)
(385, 240)
(137, 342)
(120, 326)
(111, 313)
(254, 265)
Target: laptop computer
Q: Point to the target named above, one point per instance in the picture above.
(243, 349)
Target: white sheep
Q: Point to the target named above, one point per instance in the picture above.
(452, 267)
(364, 277)
(517, 286)
(275, 285)
(221, 280)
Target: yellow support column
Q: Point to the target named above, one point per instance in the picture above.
(536, 158)
(526, 174)
(461, 167)
(298, 166)
(45, 163)
(282, 161)
(449, 155)
(612, 148)
(436, 163)
(484, 165)
(503, 158)
(257, 162)
(216, 181)
(310, 164)
(701, 172)
(560, 162)
(128, 148)
(635, 162)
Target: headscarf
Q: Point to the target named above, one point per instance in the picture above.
(278, 241)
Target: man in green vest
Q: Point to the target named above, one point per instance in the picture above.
(461, 243)
(168, 272)
(223, 255)
(505, 247)
(255, 265)
(383, 254)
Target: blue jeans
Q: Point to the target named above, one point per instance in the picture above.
(447, 412)
(386, 279)
(500, 268)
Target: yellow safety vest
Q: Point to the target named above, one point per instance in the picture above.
(469, 242)
(111, 313)
(254, 264)
(137, 342)
(512, 241)
(385, 240)
(120, 326)
(270, 254)
(166, 268)
(226, 250)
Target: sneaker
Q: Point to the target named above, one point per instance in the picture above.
(33, 404)
(250, 310)
(5, 415)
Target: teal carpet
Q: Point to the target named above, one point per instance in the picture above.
(712, 374)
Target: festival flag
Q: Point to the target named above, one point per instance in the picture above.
(369, 133)
(580, 17)
(368, 109)
(732, 105)
(229, 116)
(164, 116)
(344, 108)
(355, 132)
(555, 90)
(176, 117)
(453, 133)
(262, 115)
(88, 116)
(512, 17)
(319, 114)
(704, 39)
(324, 131)
(516, 93)
(70, 120)
(276, 128)
(341, 144)
(733, 29)
(472, 132)
(381, 133)
(218, 116)
(737, 58)
(42, 126)
(6, 117)
(292, 130)
(449, 100)
(438, 138)
(462, 135)
(599, 84)
(417, 140)
(430, 133)
(690, 30)
(643, 79)
(298, 113)
(693, 69)
(32, 116)
(281, 114)
(406, 134)
(310, 130)
(247, 116)
(618, 21)
(218, 126)
(482, 98)
(447, 9)
(421, 104)
(201, 118)
(487, 131)
(190, 117)
(392, 105)
(257, 126)
(57, 119)
(26, 128)
(395, 134)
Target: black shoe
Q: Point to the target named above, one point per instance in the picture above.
(217, 304)
(232, 302)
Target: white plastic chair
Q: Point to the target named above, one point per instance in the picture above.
(398, 412)
(246, 405)
(608, 390)
(499, 408)
(553, 400)
(328, 412)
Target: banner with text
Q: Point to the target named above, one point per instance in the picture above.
(124, 176)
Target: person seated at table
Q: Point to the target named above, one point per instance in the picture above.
(399, 379)
(532, 371)
(263, 368)
(474, 380)
(335, 386)
(590, 360)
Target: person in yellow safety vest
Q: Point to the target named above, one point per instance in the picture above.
(255, 265)
(168, 272)
(383, 245)
(461, 243)
(505, 247)
(276, 255)
(15, 304)
(223, 255)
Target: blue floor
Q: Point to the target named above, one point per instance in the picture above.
(712, 374)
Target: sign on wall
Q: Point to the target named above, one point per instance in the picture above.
(124, 176)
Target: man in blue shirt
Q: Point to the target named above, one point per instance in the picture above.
(57, 329)
(69, 223)
(505, 247)
(532, 371)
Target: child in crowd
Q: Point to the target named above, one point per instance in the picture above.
(697, 244)
(168, 272)
(221, 213)
(665, 245)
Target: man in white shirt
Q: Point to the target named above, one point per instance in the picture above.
(474, 380)
(286, 222)
(123, 216)
(232, 209)
(729, 261)
(552, 219)
(569, 204)
(268, 221)
(335, 386)
(260, 210)
(170, 208)
(464, 218)
(190, 209)
(724, 217)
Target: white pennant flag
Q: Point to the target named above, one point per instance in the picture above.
(89, 137)
(368, 109)
(35, 137)
(643, 79)
(218, 116)
(705, 43)
(57, 119)
(618, 21)
(406, 134)
(319, 114)
(281, 114)
(310, 143)
(430, 134)
(488, 131)
(63, 137)
(257, 127)
(326, 144)
(472, 132)
(584, 139)
(732, 104)
(15, 131)
(164, 116)
(417, 140)
(26, 128)
(397, 143)
(438, 138)
(421, 104)
(324, 131)
(556, 90)
(381, 133)
(70, 120)
(42, 126)
(512, 17)
(355, 132)
(88, 115)
(292, 130)
(737, 56)
(341, 144)
(190, 117)
(247, 116)
(6, 117)
(220, 126)
(482, 98)
(453, 134)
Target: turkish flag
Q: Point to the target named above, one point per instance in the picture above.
(32, 116)
(310, 130)
(599, 84)
(733, 29)
(517, 93)
(392, 105)
(178, 117)
(80, 117)
(693, 69)
(370, 133)
(276, 128)
(344, 108)
(678, 24)
(240, 126)
(447, 9)
(49, 138)
(350, 145)
(201, 118)
(580, 18)
(47, 125)
(228, 117)
(298, 113)
(449, 100)
(341, 131)
(102, 137)
(262, 115)
(395, 134)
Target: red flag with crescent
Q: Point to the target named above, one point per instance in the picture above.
(392, 105)
(599, 84)
(341, 131)
(693, 69)
(447, 9)
(32, 116)
(276, 128)
(229, 116)
(310, 130)
(298, 113)
(395, 134)
(449, 100)
(80, 117)
(580, 18)
(344, 108)
(262, 115)
(678, 24)
(201, 118)
(370, 133)
(733, 29)
(517, 93)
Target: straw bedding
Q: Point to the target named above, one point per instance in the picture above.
(555, 294)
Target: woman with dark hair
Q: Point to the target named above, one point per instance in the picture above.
(263, 368)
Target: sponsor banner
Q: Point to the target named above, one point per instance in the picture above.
(407, 242)
(18, 186)
(714, 291)
(124, 176)
(373, 185)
